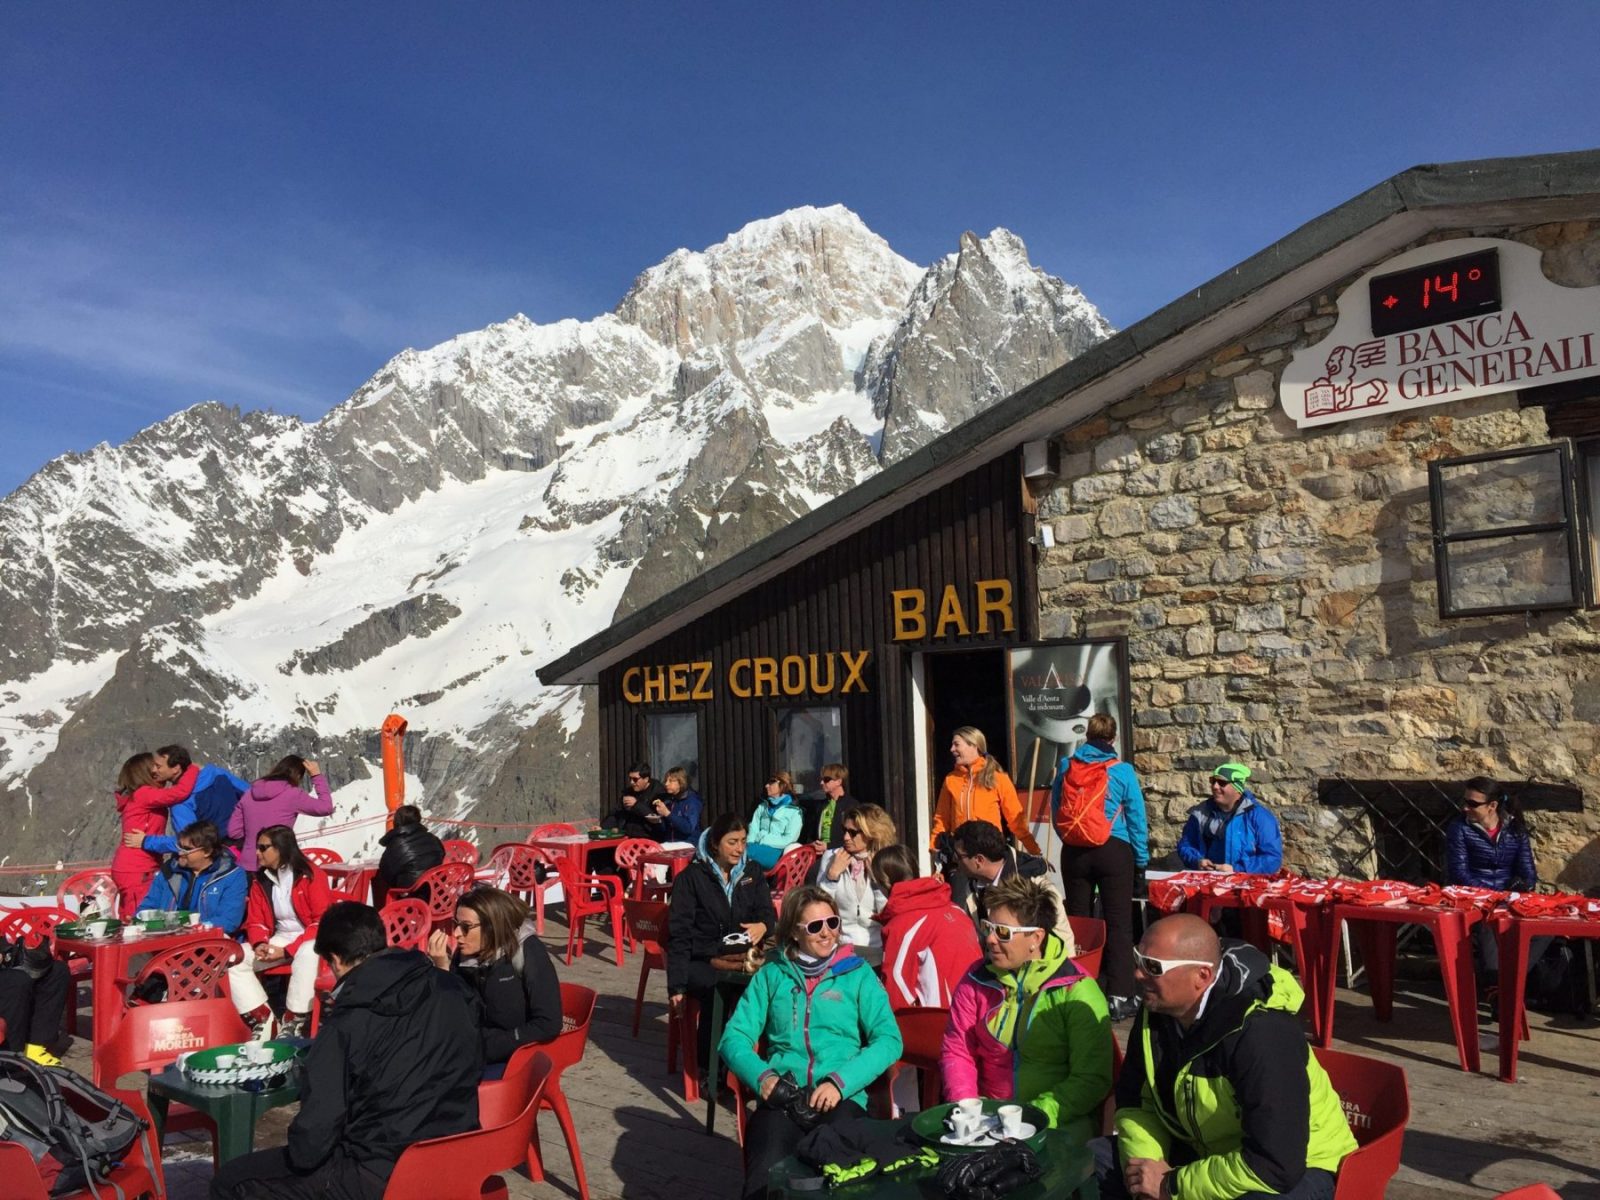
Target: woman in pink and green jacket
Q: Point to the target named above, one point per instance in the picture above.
(1025, 1023)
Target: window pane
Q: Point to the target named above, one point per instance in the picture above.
(1530, 570)
(674, 740)
(808, 740)
(1502, 493)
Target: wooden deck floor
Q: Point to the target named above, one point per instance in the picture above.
(1470, 1136)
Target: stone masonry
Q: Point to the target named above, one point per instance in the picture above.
(1278, 593)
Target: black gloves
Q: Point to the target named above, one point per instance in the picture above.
(789, 1097)
(989, 1175)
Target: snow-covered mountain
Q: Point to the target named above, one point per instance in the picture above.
(251, 584)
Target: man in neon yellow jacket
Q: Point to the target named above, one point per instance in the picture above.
(1220, 1097)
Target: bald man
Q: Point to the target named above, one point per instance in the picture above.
(1220, 1097)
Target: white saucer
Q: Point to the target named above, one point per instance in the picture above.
(989, 1136)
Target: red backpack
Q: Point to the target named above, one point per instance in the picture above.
(1081, 820)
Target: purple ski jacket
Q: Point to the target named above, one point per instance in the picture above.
(273, 802)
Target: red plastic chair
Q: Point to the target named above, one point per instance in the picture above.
(790, 871)
(459, 850)
(38, 920)
(586, 896)
(41, 921)
(151, 1037)
(525, 871)
(196, 970)
(629, 852)
(1534, 1191)
(321, 856)
(136, 1180)
(440, 888)
(1377, 1104)
(500, 1100)
(647, 926)
(921, 1034)
(554, 829)
(94, 884)
(1090, 935)
(565, 1050)
(406, 923)
(467, 1166)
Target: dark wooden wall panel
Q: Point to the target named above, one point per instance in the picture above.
(838, 600)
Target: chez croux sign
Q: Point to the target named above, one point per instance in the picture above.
(1448, 321)
(990, 609)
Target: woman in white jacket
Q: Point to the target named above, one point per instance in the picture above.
(846, 873)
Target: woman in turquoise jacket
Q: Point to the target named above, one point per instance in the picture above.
(812, 1030)
(776, 822)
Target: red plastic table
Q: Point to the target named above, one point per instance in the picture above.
(576, 846)
(673, 860)
(110, 957)
(1375, 928)
(1515, 933)
(351, 879)
(1304, 924)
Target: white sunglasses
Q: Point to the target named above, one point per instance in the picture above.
(1157, 967)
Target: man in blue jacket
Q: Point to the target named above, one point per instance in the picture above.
(215, 796)
(1232, 831)
(204, 877)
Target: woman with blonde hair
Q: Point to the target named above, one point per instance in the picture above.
(678, 809)
(811, 1032)
(508, 967)
(846, 873)
(978, 790)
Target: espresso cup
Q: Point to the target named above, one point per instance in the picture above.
(97, 929)
(194, 918)
(1010, 1119)
(226, 1060)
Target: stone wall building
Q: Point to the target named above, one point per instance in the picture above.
(1270, 493)
(1278, 589)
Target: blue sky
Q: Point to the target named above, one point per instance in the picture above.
(261, 203)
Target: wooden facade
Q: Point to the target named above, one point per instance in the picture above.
(840, 602)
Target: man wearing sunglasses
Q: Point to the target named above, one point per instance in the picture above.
(637, 804)
(1233, 830)
(1220, 1097)
(983, 859)
(202, 877)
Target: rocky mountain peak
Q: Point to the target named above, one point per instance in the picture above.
(979, 319)
(822, 263)
(249, 583)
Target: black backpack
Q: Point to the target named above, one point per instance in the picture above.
(73, 1151)
(1560, 982)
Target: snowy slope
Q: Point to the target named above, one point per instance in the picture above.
(473, 510)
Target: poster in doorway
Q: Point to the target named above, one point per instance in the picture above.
(1055, 688)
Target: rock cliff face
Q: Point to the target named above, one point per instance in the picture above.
(252, 584)
(981, 322)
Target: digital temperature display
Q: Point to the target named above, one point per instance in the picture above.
(1433, 294)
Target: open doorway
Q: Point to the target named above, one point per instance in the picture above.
(962, 687)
